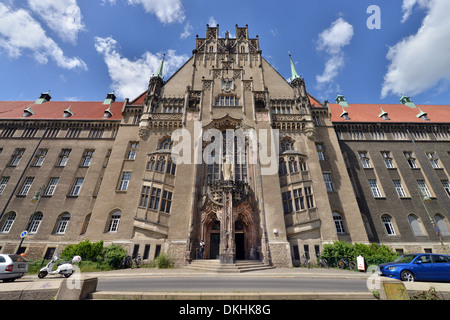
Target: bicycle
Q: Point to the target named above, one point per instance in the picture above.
(305, 262)
(346, 262)
(322, 262)
(126, 262)
(137, 261)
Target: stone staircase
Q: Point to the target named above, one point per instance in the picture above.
(214, 265)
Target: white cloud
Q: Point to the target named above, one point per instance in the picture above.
(130, 78)
(187, 31)
(212, 22)
(408, 6)
(332, 41)
(19, 32)
(167, 11)
(61, 16)
(421, 61)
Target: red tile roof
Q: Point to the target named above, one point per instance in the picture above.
(358, 112)
(54, 110)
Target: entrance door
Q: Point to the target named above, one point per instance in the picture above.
(214, 243)
(240, 246)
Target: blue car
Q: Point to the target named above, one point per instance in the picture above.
(418, 267)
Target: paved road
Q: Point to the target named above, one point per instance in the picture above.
(230, 284)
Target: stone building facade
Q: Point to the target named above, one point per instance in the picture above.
(225, 150)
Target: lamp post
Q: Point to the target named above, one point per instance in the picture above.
(426, 199)
(36, 199)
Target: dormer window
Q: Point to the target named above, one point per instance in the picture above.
(345, 116)
(45, 96)
(110, 98)
(27, 112)
(423, 115)
(67, 113)
(383, 115)
(108, 113)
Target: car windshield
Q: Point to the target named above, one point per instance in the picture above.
(406, 259)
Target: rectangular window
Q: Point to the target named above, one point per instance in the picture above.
(434, 161)
(76, 188)
(365, 161)
(410, 159)
(145, 193)
(166, 201)
(423, 186)
(154, 199)
(399, 188)
(63, 157)
(287, 202)
(3, 182)
(299, 200)
(328, 182)
(309, 197)
(26, 186)
(321, 152)
(388, 226)
(339, 224)
(445, 184)
(87, 158)
(40, 157)
(16, 157)
(51, 186)
(374, 188)
(124, 181)
(387, 159)
(132, 149)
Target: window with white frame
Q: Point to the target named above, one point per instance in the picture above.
(114, 221)
(410, 159)
(328, 182)
(124, 181)
(26, 186)
(35, 222)
(365, 161)
(16, 157)
(374, 188)
(76, 188)
(423, 186)
(63, 222)
(445, 184)
(40, 157)
(388, 162)
(132, 150)
(399, 188)
(87, 158)
(51, 186)
(434, 161)
(9, 220)
(3, 182)
(388, 225)
(321, 151)
(338, 223)
(63, 157)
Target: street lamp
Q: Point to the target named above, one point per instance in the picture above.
(36, 199)
(426, 199)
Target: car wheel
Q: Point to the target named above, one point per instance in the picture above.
(9, 280)
(407, 276)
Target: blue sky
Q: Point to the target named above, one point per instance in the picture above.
(83, 49)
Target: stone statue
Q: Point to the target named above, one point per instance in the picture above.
(227, 168)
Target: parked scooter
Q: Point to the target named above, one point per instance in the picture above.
(64, 268)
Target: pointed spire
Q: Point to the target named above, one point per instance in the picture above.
(294, 74)
(160, 69)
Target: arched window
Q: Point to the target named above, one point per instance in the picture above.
(282, 168)
(114, 221)
(85, 224)
(415, 225)
(442, 225)
(36, 220)
(171, 167)
(293, 165)
(388, 225)
(161, 164)
(166, 144)
(151, 164)
(9, 220)
(286, 144)
(63, 221)
(338, 222)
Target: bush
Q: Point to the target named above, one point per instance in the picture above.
(85, 249)
(163, 261)
(373, 253)
(113, 255)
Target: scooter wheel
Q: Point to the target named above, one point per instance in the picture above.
(42, 274)
(67, 274)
